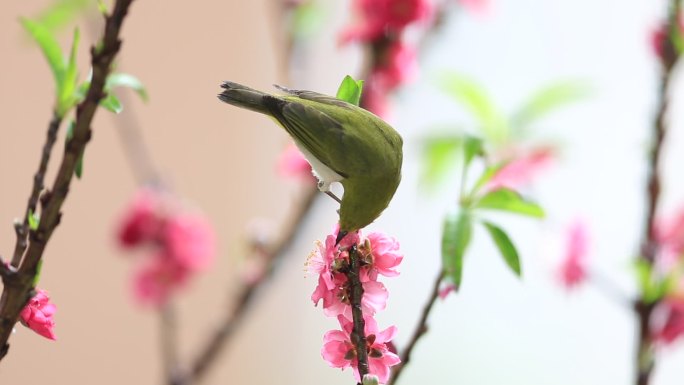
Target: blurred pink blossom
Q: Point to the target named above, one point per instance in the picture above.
(189, 240)
(293, 164)
(669, 233)
(140, 222)
(339, 351)
(477, 6)
(659, 39)
(670, 325)
(178, 244)
(572, 269)
(380, 17)
(157, 280)
(375, 97)
(522, 170)
(38, 314)
(398, 66)
(446, 290)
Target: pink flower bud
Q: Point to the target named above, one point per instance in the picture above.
(572, 271)
(38, 313)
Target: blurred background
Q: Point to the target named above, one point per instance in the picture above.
(496, 329)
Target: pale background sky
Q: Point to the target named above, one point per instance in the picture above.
(497, 330)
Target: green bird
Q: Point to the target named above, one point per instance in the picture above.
(342, 142)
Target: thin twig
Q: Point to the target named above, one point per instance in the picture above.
(645, 357)
(420, 329)
(22, 227)
(222, 335)
(17, 292)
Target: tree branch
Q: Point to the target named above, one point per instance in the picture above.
(358, 334)
(645, 358)
(420, 329)
(22, 227)
(17, 292)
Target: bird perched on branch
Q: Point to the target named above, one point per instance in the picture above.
(342, 142)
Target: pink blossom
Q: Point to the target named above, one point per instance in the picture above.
(141, 221)
(381, 256)
(157, 280)
(293, 164)
(38, 314)
(336, 300)
(669, 322)
(521, 170)
(340, 352)
(189, 240)
(321, 261)
(573, 270)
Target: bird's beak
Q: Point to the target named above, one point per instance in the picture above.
(340, 236)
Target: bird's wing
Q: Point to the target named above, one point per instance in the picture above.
(314, 129)
(314, 96)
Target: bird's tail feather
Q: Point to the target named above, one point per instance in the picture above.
(243, 96)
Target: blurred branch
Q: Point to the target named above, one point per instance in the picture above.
(19, 285)
(130, 133)
(645, 357)
(420, 329)
(169, 343)
(221, 337)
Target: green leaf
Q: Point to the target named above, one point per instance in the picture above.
(102, 7)
(350, 90)
(654, 288)
(111, 103)
(505, 245)
(472, 146)
(473, 96)
(126, 80)
(504, 199)
(33, 220)
(548, 99)
(47, 43)
(67, 96)
(455, 240)
(62, 12)
(440, 156)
